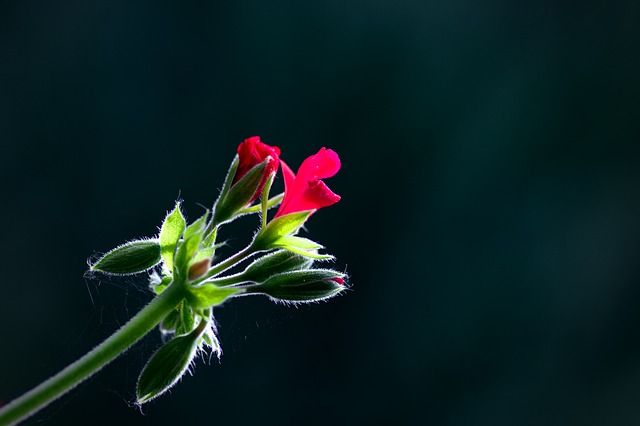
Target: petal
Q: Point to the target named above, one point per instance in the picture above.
(338, 280)
(316, 195)
(324, 164)
(305, 191)
(289, 183)
(289, 176)
(319, 195)
(252, 152)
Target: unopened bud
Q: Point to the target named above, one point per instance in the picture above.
(199, 268)
(130, 258)
(275, 263)
(168, 364)
(302, 286)
(237, 196)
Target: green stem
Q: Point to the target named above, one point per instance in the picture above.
(228, 280)
(56, 386)
(273, 201)
(230, 262)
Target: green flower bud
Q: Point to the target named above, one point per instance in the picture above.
(241, 193)
(130, 258)
(168, 364)
(275, 263)
(302, 286)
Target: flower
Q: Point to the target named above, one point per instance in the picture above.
(252, 152)
(305, 191)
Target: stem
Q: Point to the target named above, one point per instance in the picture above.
(264, 201)
(56, 386)
(228, 280)
(273, 201)
(223, 266)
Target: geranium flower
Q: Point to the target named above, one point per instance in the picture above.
(305, 191)
(252, 152)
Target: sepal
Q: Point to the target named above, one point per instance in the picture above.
(181, 320)
(186, 319)
(234, 198)
(210, 339)
(208, 294)
(158, 283)
(169, 324)
(279, 227)
(302, 246)
(190, 244)
(170, 232)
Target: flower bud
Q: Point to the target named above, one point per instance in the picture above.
(275, 263)
(247, 176)
(302, 286)
(168, 364)
(130, 258)
(252, 152)
(199, 268)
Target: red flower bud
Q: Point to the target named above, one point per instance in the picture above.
(252, 152)
(306, 191)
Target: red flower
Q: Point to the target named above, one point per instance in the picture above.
(306, 191)
(252, 152)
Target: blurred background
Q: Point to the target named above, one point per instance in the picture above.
(490, 213)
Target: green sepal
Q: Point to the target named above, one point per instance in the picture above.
(210, 239)
(170, 232)
(302, 246)
(301, 286)
(307, 253)
(279, 227)
(300, 242)
(241, 193)
(210, 339)
(231, 173)
(234, 198)
(197, 227)
(162, 285)
(130, 258)
(277, 262)
(206, 253)
(167, 365)
(190, 244)
(208, 295)
(186, 319)
(170, 322)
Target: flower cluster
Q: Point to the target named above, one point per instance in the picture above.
(277, 263)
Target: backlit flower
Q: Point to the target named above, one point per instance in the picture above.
(306, 190)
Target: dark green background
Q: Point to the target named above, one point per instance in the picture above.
(490, 218)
